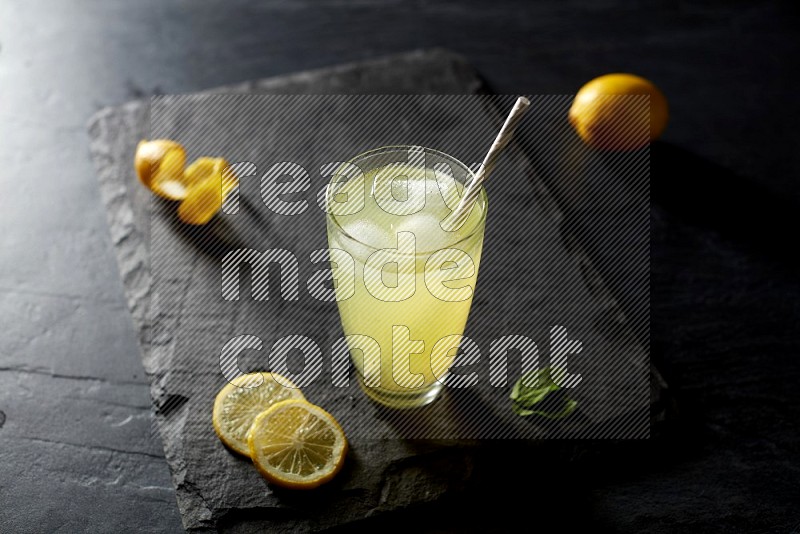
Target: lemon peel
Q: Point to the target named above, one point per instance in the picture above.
(159, 164)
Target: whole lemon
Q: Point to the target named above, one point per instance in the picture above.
(605, 120)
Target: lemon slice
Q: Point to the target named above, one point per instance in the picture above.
(297, 445)
(237, 405)
(209, 183)
(159, 164)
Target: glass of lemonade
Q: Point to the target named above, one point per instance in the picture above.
(404, 309)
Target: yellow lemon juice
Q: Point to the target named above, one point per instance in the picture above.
(405, 311)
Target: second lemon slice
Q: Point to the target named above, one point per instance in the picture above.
(239, 402)
(297, 445)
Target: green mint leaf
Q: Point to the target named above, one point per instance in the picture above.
(534, 387)
(569, 407)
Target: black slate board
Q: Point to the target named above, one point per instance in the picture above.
(214, 488)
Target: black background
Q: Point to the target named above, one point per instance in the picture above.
(75, 444)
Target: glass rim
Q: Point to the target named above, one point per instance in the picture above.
(482, 196)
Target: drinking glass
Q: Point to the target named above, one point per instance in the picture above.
(404, 307)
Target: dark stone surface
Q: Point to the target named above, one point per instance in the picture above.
(171, 276)
(724, 298)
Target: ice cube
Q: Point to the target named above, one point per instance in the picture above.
(427, 232)
(369, 233)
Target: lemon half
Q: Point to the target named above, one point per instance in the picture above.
(606, 120)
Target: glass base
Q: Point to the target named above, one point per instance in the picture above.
(401, 400)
